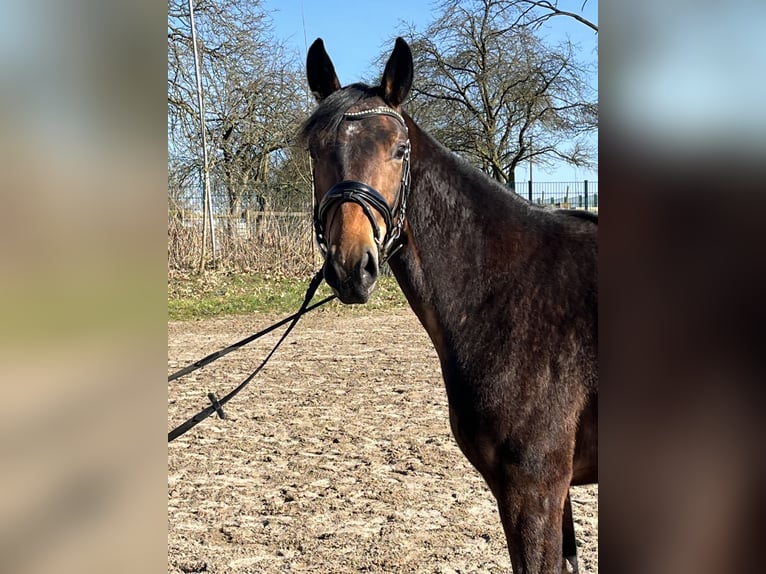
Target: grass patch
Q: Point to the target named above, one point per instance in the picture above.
(216, 294)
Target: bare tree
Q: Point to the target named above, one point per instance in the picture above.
(254, 97)
(493, 91)
(536, 12)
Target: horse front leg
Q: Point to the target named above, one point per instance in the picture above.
(533, 512)
(569, 543)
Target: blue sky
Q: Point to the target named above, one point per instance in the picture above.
(355, 32)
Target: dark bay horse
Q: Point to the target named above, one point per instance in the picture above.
(507, 292)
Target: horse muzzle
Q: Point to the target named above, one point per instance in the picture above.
(352, 280)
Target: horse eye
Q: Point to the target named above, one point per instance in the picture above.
(401, 149)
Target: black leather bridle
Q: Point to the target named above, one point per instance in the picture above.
(369, 199)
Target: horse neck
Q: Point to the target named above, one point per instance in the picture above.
(446, 268)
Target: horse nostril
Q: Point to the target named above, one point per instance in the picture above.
(331, 272)
(368, 267)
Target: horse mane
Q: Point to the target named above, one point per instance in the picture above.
(486, 188)
(582, 214)
(477, 191)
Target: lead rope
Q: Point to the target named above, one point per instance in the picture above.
(216, 406)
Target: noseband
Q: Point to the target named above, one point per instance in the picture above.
(369, 199)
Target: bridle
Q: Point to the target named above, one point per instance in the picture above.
(369, 199)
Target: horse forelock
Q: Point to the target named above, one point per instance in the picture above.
(322, 125)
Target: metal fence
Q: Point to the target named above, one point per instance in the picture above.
(567, 194)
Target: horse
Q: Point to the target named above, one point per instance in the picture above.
(506, 290)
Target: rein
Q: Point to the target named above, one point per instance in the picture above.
(368, 198)
(216, 404)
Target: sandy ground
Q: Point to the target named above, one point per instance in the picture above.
(337, 458)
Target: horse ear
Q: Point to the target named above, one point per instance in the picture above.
(397, 77)
(320, 71)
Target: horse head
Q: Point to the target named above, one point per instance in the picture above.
(359, 145)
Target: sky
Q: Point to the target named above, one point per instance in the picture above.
(355, 32)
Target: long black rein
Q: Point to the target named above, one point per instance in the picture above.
(216, 406)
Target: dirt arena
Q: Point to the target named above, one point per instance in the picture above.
(337, 458)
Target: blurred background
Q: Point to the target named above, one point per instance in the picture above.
(82, 283)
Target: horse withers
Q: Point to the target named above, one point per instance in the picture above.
(507, 292)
